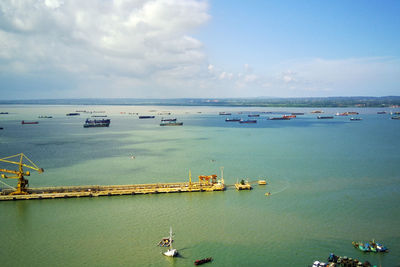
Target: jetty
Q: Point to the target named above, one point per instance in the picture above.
(110, 190)
(23, 192)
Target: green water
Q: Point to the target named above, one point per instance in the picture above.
(332, 182)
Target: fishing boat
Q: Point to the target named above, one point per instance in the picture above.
(172, 123)
(202, 261)
(248, 121)
(371, 246)
(171, 252)
(324, 117)
(29, 122)
(147, 117)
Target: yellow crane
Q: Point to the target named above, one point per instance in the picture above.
(19, 174)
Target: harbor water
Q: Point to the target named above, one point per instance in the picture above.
(331, 181)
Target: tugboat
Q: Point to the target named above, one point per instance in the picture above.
(171, 252)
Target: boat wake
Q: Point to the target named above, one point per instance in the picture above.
(283, 189)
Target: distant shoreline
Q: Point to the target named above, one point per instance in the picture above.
(307, 102)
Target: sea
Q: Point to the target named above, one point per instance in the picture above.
(332, 181)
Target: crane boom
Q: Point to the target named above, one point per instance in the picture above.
(19, 174)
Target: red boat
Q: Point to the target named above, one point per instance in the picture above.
(289, 116)
(29, 122)
(202, 261)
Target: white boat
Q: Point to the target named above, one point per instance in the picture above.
(171, 252)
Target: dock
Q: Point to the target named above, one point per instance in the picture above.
(110, 190)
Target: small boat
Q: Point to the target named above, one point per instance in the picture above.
(268, 194)
(371, 246)
(345, 261)
(319, 264)
(202, 261)
(317, 111)
(172, 123)
(395, 113)
(355, 119)
(262, 182)
(225, 113)
(324, 117)
(29, 122)
(147, 117)
(1, 128)
(73, 114)
(248, 121)
(3, 113)
(232, 119)
(352, 113)
(99, 116)
(171, 252)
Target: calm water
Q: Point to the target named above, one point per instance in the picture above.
(332, 182)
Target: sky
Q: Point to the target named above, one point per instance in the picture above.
(53, 49)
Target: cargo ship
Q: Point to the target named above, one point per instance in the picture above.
(147, 117)
(232, 119)
(278, 118)
(73, 114)
(248, 121)
(253, 115)
(297, 113)
(168, 119)
(289, 116)
(324, 117)
(97, 123)
(29, 122)
(396, 118)
(172, 123)
(381, 112)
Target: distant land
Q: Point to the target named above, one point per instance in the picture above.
(354, 101)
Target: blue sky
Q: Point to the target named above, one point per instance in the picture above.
(190, 48)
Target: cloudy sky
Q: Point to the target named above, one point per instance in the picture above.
(196, 48)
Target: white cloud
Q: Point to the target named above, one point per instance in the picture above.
(100, 42)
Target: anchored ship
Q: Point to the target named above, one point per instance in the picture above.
(97, 123)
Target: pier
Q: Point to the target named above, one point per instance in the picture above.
(110, 190)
